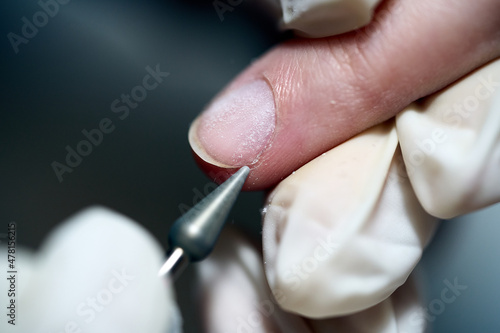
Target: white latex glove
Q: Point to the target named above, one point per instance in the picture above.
(341, 234)
(451, 145)
(345, 231)
(237, 298)
(96, 273)
(321, 18)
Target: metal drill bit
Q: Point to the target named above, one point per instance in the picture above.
(193, 235)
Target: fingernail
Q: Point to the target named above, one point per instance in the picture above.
(237, 127)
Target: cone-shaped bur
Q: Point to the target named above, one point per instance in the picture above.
(197, 231)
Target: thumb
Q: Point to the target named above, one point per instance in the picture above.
(306, 96)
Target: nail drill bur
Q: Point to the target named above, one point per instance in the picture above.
(193, 235)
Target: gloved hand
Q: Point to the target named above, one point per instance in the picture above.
(96, 273)
(345, 230)
(351, 217)
(237, 298)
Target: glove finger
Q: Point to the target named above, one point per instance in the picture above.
(322, 18)
(237, 298)
(451, 145)
(98, 273)
(342, 233)
(395, 314)
(16, 276)
(235, 293)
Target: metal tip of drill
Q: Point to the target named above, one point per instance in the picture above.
(193, 235)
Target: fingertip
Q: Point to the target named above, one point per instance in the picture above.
(201, 155)
(219, 174)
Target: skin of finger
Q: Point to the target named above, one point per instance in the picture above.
(451, 144)
(234, 292)
(97, 273)
(328, 90)
(346, 226)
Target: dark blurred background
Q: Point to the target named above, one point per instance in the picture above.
(63, 80)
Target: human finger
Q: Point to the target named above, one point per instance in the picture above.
(306, 96)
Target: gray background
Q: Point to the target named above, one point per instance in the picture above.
(64, 80)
